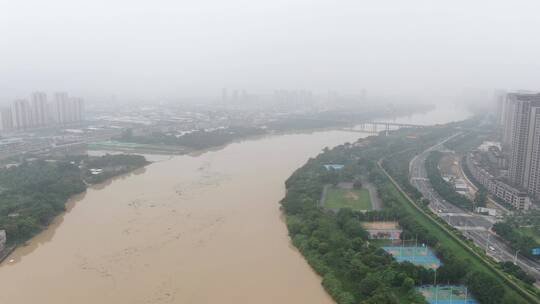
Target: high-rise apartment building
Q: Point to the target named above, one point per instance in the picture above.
(67, 109)
(37, 112)
(522, 139)
(6, 118)
(59, 107)
(506, 119)
(22, 114)
(40, 109)
(499, 98)
(77, 108)
(224, 96)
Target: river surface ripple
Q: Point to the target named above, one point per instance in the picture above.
(185, 229)
(190, 229)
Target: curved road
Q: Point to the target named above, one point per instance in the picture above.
(473, 226)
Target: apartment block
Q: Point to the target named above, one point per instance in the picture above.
(521, 140)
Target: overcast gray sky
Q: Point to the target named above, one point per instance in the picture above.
(178, 48)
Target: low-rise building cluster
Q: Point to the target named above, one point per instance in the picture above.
(494, 181)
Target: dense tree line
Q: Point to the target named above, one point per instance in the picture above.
(514, 270)
(443, 188)
(394, 164)
(530, 219)
(112, 165)
(33, 193)
(336, 246)
(522, 242)
(480, 197)
(116, 160)
(465, 142)
(200, 139)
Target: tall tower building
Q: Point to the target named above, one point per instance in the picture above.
(77, 109)
(6, 118)
(522, 126)
(66, 110)
(39, 109)
(59, 107)
(234, 98)
(507, 121)
(22, 116)
(224, 96)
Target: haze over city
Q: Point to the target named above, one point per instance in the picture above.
(175, 49)
(235, 151)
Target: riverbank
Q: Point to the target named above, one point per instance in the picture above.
(339, 250)
(201, 140)
(193, 228)
(166, 223)
(35, 192)
(4, 254)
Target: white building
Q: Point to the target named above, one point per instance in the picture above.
(22, 115)
(67, 110)
(40, 109)
(522, 140)
(6, 119)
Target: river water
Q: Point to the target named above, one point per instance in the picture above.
(186, 229)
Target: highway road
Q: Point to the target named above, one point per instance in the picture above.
(474, 226)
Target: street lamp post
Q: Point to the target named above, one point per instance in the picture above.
(436, 288)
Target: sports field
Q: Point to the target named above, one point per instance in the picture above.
(338, 198)
(418, 255)
(446, 294)
(458, 247)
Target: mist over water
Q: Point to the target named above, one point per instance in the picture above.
(440, 114)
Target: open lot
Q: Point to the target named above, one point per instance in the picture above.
(355, 199)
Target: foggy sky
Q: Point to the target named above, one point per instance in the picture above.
(182, 48)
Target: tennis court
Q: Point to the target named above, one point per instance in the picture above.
(418, 255)
(446, 294)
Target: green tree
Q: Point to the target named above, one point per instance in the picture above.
(486, 288)
(369, 284)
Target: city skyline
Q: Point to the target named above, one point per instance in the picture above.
(255, 151)
(36, 111)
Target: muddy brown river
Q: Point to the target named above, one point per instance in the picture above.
(186, 229)
(189, 229)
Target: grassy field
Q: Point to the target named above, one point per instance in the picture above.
(338, 198)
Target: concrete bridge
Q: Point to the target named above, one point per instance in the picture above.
(377, 126)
